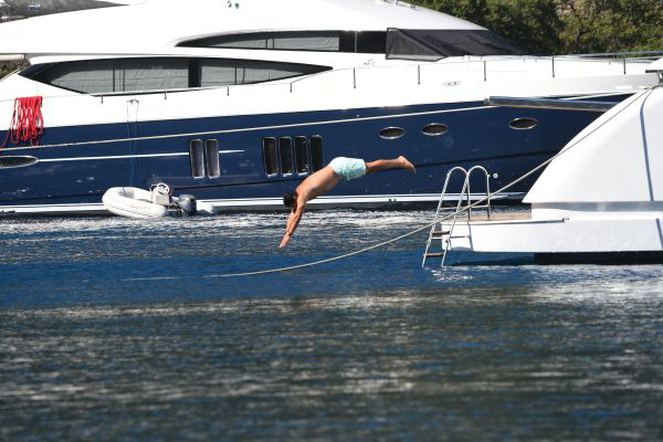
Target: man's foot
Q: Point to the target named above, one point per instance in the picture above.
(406, 164)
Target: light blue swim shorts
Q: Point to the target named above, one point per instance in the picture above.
(348, 168)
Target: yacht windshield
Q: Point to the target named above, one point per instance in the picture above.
(408, 44)
(369, 42)
(434, 44)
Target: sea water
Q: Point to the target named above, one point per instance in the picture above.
(116, 329)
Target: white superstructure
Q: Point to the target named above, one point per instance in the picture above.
(601, 197)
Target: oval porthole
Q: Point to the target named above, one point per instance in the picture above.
(435, 129)
(392, 133)
(523, 123)
(12, 162)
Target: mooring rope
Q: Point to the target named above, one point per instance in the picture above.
(419, 229)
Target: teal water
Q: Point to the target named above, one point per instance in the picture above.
(113, 329)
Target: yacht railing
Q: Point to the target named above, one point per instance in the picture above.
(623, 57)
(543, 103)
(12, 58)
(651, 55)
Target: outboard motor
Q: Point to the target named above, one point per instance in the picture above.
(187, 204)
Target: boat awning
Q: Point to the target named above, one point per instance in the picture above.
(434, 44)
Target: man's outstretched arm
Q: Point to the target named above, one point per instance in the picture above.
(291, 226)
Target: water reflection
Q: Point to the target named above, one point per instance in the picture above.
(358, 363)
(372, 347)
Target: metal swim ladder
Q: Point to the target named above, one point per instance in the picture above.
(463, 208)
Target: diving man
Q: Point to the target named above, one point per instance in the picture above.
(327, 178)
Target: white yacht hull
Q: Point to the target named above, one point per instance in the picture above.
(610, 234)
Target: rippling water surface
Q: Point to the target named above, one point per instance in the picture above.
(118, 329)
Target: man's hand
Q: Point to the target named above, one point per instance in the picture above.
(293, 222)
(285, 240)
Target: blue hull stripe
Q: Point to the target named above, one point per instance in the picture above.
(245, 129)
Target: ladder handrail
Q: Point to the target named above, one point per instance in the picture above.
(447, 243)
(450, 173)
(469, 192)
(464, 197)
(446, 184)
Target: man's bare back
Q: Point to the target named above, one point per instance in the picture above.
(326, 179)
(317, 184)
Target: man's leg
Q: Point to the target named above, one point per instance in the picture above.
(397, 163)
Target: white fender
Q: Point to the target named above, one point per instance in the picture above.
(133, 203)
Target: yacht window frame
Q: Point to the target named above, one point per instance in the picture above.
(212, 160)
(316, 153)
(435, 129)
(197, 158)
(302, 157)
(286, 156)
(391, 133)
(363, 42)
(272, 159)
(523, 123)
(40, 72)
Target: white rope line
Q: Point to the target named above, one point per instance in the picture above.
(410, 233)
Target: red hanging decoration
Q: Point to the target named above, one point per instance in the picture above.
(27, 123)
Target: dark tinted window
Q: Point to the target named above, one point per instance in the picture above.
(212, 158)
(435, 129)
(305, 40)
(103, 76)
(372, 42)
(270, 156)
(197, 158)
(227, 72)
(391, 133)
(316, 152)
(285, 153)
(10, 162)
(161, 74)
(523, 123)
(433, 44)
(301, 155)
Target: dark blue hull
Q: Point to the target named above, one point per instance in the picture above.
(78, 164)
(465, 258)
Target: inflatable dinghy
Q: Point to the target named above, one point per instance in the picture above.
(133, 202)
